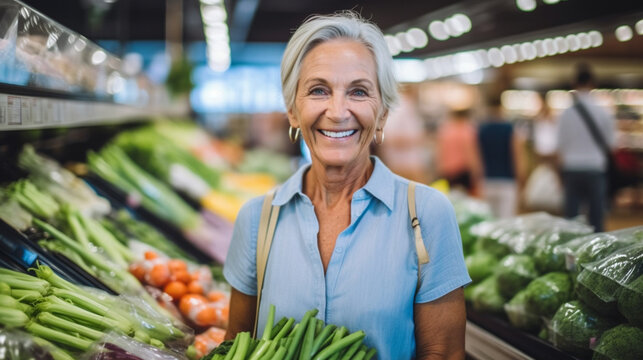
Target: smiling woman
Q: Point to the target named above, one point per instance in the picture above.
(343, 240)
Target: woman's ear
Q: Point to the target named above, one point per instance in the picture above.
(292, 120)
(382, 119)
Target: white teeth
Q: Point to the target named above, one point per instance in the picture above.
(338, 134)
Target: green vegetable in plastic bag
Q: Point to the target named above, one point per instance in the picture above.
(518, 315)
(623, 342)
(575, 327)
(545, 294)
(480, 265)
(630, 301)
(486, 297)
(514, 273)
(599, 282)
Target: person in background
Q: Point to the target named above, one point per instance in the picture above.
(502, 148)
(344, 241)
(544, 134)
(458, 156)
(582, 161)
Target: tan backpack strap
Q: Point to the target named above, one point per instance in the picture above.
(267, 225)
(423, 255)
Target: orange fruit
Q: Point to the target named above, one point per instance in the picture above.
(190, 301)
(158, 276)
(138, 271)
(207, 315)
(194, 287)
(177, 265)
(151, 255)
(181, 275)
(175, 289)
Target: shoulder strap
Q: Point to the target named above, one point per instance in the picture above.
(591, 125)
(423, 255)
(267, 225)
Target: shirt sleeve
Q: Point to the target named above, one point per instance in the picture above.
(240, 268)
(446, 270)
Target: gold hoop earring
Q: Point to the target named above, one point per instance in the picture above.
(381, 139)
(293, 138)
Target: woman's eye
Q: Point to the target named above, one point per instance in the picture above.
(359, 92)
(317, 91)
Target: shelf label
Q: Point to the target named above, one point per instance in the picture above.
(25, 111)
(13, 110)
(36, 114)
(3, 109)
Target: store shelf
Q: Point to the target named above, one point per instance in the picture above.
(490, 337)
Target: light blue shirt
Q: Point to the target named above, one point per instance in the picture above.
(371, 279)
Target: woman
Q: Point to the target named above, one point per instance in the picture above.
(343, 242)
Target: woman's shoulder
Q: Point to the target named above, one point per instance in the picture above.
(251, 210)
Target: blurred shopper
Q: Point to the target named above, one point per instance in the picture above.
(544, 134)
(502, 148)
(582, 160)
(458, 156)
(346, 239)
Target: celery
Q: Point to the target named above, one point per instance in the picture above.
(44, 272)
(5, 288)
(76, 227)
(13, 317)
(106, 242)
(18, 280)
(7, 301)
(86, 302)
(54, 351)
(53, 321)
(58, 336)
(29, 296)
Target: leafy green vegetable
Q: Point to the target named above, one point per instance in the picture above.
(480, 265)
(630, 301)
(623, 342)
(575, 326)
(514, 273)
(546, 293)
(518, 315)
(546, 259)
(486, 297)
(599, 282)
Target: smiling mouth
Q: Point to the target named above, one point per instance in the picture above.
(338, 134)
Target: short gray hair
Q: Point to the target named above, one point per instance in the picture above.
(344, 25)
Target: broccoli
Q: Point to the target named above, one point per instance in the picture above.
(514, 273)
(546, 293)
(623, 342)
(485, 296)
(630, 300)
(574, 326)
(480, 265)
(519, 316)
(546, 259)
(599, 282)
(598, 248)
(491, 245)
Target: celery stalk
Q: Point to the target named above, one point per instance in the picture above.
(7, 301)
(51, 320)
(54, 350)
(44, 272)
(58, 336)
(12, 317)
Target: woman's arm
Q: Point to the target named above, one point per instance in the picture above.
(440, 326)
(242, 313)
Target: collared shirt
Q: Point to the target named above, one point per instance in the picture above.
(578, 149)
(371, 279)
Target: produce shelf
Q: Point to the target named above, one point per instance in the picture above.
(494, 338)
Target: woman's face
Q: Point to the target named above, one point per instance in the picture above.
(337, 104)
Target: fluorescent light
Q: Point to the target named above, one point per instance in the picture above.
(526, 5)
(409, 70)
(509, 54)
(572, 42)
(551, 2)
(496, 58)
(596, 38)
(98, 57)
(464, 21)
(213, 14)
(540, 48)
(585, 42)
(404, 44)
(561, 44)
(417, 38)
(639, 27)
(394, 46)
(623, 33)
(438, 30)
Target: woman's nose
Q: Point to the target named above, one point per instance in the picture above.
(337, 108)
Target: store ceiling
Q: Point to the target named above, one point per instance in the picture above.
(494, 22)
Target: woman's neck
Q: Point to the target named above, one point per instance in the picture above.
(331, 185)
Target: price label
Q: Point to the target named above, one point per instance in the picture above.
(25, 111)
(3, 109)
(13, 110)
(36, 113)
(47, 109)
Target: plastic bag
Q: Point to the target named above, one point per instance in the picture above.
(519, 316)
(19, 345)
(575, 328)
(543, 190)
(630, 300)
(486, 297)
(514, 273)
(623, 342)
(547, 293)
(120, 347)
(599, 282)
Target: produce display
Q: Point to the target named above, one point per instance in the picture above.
(311, 338)
(553, 277)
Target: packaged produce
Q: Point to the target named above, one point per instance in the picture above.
(118, 347)
(630, 301)
(12, 213)
(623, 342)
(469, 212)
(480, 265)
(575, 328)
(519, 316)
(309, 339)
(486, 296)
(545, 294)
(18, 345)
(599, 282)
(514, 273)
(594, 247)
(205, 342)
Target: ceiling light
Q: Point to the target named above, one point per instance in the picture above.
(585, 42)
(438, 30)
(394, 46)
(540, 49)
(623, 33)
(528, 51)
(496, 58)
(596, 38)
(453, 27)
(516, 48)
(483, 58)
(213, 13)
(211, 2)
(551, 2)
(639, 27)
(417, 38)
(561, 44)
(80, 45)
(572, 42)
(509, 54)
(550, 47)
(526, 5)
(98, 57)
(466, 62)
(404, 44)
(464, 21)
(409, 70)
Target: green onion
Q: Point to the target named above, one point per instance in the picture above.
(58, 336)
(54, 321)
